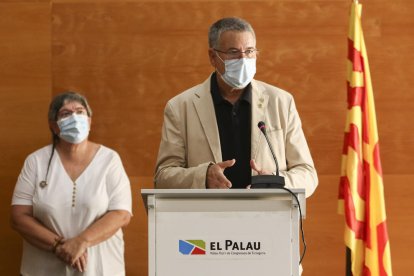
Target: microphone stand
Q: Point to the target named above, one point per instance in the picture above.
(268, 181)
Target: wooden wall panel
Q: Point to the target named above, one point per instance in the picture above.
(136, 236)
(400, 216)
(128, 63)
(26, 2)
(390, 53)
(25, 88)
(130, 57)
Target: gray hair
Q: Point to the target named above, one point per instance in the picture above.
(227, 24)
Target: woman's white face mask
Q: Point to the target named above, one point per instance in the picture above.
(74, 129)
(238, 73)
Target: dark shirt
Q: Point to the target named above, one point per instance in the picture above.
(234, 124)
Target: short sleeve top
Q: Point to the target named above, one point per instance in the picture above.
(68, 207)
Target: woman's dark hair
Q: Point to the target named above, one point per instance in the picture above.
(60, 100)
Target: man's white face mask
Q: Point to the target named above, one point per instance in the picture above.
(238, 73)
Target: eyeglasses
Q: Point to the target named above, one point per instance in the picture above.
(66, 113)
(234, 53)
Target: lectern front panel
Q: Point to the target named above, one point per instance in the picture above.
(223, 237)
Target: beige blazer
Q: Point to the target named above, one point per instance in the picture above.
(190, 138)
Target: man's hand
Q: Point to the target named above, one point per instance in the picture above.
(254, 167)
(215, 176)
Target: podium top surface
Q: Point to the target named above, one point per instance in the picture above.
(206, 193)
(220, 194)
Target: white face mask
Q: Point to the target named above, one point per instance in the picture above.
(238, 73)
(74, 129)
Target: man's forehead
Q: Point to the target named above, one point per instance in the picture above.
(230, 38)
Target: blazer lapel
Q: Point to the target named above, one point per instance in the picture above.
(204, 107)
(259, 106)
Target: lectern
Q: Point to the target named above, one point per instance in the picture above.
(196, 232)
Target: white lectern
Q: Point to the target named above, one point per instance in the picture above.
(194, 232)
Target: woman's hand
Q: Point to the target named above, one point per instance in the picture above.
(80, 264)
(74, 252)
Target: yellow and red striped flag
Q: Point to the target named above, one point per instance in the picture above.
(361, 191)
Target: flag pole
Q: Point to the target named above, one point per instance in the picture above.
(348, 270)
(348, 262)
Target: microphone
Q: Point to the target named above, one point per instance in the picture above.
(268, 181)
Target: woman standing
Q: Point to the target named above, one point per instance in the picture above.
(71, 199)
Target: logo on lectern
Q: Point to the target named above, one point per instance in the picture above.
(192, 247)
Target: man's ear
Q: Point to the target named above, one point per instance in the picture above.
(212, 57)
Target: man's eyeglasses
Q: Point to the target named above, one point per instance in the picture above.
(234, 53)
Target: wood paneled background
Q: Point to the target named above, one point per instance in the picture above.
(130, 57)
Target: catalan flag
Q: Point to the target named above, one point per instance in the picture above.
(361, 191)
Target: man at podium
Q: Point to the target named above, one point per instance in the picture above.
(210, 137)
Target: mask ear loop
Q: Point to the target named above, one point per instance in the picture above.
(43, 183)
(219, 56)
(217, 71)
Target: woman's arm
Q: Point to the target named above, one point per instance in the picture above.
(30, 229)
(99, 231)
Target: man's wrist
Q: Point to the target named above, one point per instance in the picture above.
(208, 167)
